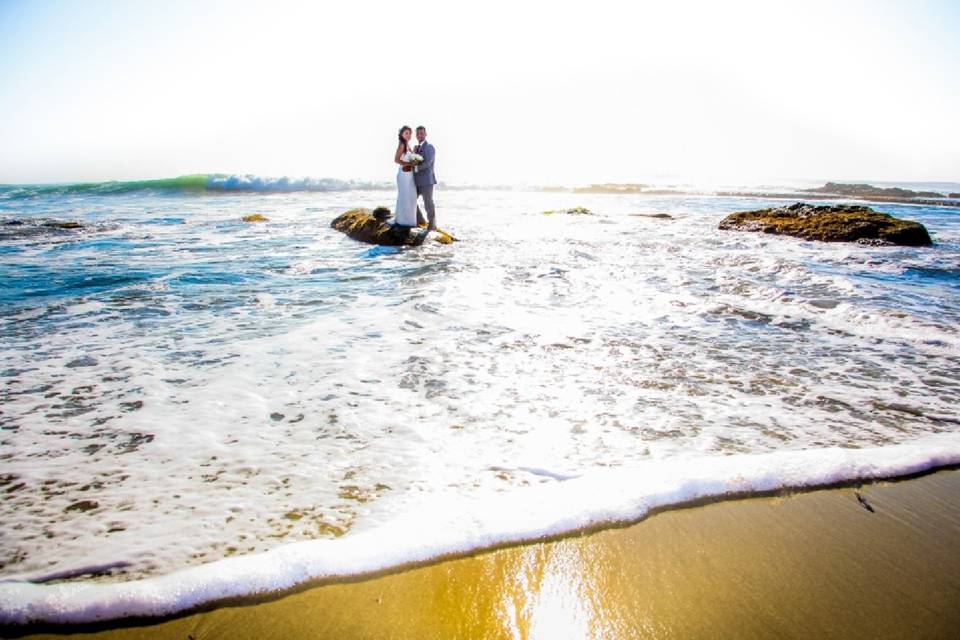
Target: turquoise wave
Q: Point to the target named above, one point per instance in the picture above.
(198, 183)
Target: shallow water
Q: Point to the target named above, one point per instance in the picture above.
(180, 386)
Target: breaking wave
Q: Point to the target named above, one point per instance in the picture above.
(199, 183)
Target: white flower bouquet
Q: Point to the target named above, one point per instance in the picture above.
(410, 156)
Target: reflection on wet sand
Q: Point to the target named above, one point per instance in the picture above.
(816, 564)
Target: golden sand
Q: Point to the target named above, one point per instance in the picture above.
(811, 565)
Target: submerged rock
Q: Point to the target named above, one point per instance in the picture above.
(576, 211)
(255, 217)
(372, 227)
(835, 223)
(660, 216)
(16, 229)
(69, 224)
(82, 505)
(82, 361)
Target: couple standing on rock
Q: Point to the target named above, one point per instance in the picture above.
(414, 179)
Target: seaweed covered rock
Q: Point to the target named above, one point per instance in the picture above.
(834, 223)
(69, 224)
(372, 227)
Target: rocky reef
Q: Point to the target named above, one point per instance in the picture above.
(835, 223)
(372, 227)
(829, 191)
(870, 191)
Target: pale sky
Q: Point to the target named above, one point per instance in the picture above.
(511, 92)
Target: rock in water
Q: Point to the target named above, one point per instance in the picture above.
(661, 216)
(360, 224)
(32, 227)
(834, 223)
(63, 225)
(255, 217)
(575, 211)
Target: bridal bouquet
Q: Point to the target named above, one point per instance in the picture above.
(410, 156)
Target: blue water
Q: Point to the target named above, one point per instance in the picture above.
(200, 378)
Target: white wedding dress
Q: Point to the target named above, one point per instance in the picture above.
(406, 211)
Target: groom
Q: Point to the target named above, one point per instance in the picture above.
(424, 178)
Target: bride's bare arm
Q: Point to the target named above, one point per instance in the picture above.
(396, 157)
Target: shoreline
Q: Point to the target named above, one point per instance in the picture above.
(447, 528)
(803, 521)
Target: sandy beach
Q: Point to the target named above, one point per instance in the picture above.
(823, 563)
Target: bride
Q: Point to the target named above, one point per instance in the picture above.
(405, 213)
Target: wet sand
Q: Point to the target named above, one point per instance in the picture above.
(811, 564)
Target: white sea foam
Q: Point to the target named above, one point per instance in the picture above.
(449, 525)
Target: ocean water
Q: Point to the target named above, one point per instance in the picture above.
(196, 407)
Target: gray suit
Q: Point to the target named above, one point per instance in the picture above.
(425, 179)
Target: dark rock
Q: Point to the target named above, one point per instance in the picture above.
(838, 223)
(82, 505)
(56, 224)
(29, 228)
(360, 224)
(954, 195)
(82, 361)
(662, 216)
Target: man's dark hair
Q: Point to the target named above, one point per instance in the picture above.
(421, 128)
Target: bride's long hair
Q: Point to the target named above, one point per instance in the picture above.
(400, 134)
